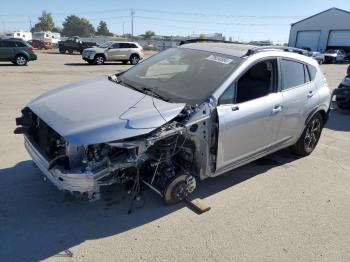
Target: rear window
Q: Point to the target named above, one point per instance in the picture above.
(7, 44)
(132, 46)
(21, 44)
(312, 72)
(293, 74)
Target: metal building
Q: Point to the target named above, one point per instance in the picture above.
(329, 29)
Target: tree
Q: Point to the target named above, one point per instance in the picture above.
(76, 26)
(149, 34)
(57, 29)
(102, 29)
(45, 23)
(202, 36)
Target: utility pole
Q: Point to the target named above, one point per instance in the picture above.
(123, 28)
(132, 22)
(30, 25)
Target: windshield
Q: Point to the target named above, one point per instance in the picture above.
(182, 75)
(105, 45)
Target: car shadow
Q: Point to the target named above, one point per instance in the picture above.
(7, 64)
(38, 221)
(87, 64)
(339, 119)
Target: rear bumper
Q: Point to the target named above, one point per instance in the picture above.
(32, 57)
(72, 180)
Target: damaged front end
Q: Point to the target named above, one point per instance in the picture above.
(166, 159)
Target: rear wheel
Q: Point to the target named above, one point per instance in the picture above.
(21, 60)
(134, 59)
(99, 60)
(310, 137)
(70, 51)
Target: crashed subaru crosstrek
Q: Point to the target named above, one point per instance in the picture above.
(183, 115)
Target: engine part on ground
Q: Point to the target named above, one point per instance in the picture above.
(197, 205)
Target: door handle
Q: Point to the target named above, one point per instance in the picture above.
(310, 94)
(234, 108)
(277, 109)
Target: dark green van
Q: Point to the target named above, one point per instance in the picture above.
(16, 51)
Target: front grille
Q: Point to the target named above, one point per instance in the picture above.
(45, 139)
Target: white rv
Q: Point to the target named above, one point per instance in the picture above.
(26, 36)
(47, 36)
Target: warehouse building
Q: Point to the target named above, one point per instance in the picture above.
(329, 29)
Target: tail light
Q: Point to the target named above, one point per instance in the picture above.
(31, 49)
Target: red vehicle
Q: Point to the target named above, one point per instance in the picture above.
(39, 44)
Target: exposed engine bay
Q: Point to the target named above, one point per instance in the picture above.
(168, 160)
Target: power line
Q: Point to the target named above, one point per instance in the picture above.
(208, 22)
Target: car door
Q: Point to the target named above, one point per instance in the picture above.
(6, 50)
(300, 97)
(249, 125)
(113, 52)
(124, 51)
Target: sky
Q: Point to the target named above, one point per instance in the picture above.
(245, 20)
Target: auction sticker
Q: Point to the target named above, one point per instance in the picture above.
(219, 59)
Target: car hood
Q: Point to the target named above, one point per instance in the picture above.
(99, 110)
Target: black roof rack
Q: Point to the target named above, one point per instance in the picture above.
(279, 48)
(197, 40)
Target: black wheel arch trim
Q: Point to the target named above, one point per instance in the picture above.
(316, 110)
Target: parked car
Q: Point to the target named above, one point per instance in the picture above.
(319, 57)
(38, 44)
(16, 51)
(74, 44)
(334, 56)
(114, 51)
(342, 93)
(184, 114)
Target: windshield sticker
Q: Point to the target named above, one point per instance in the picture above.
(219, 59)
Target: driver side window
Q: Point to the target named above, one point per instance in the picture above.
(260, 80)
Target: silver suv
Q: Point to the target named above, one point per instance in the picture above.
(187, 113)
(114, 51)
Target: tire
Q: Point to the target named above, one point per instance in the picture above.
(70, 51)
(21, 60)
(90, 62)
(62, 51)
(99, 60)
(134, 59)
(310, 136)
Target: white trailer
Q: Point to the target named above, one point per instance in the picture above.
(26, 36)
(47, 36)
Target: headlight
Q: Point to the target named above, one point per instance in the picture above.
(346, 81)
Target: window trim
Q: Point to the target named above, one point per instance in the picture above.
(276, 88)
(296, 61)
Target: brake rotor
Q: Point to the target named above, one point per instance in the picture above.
(179, 188)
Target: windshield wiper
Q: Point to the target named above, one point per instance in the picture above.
(150, 91)
(144, 90)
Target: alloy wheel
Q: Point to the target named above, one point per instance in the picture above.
(312, 135)
(21, 60)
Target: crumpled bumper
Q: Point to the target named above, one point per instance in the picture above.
(75, 181)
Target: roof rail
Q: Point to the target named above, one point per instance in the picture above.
(279, 48)
(197, 40)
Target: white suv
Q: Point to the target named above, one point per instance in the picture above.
(114, 51)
